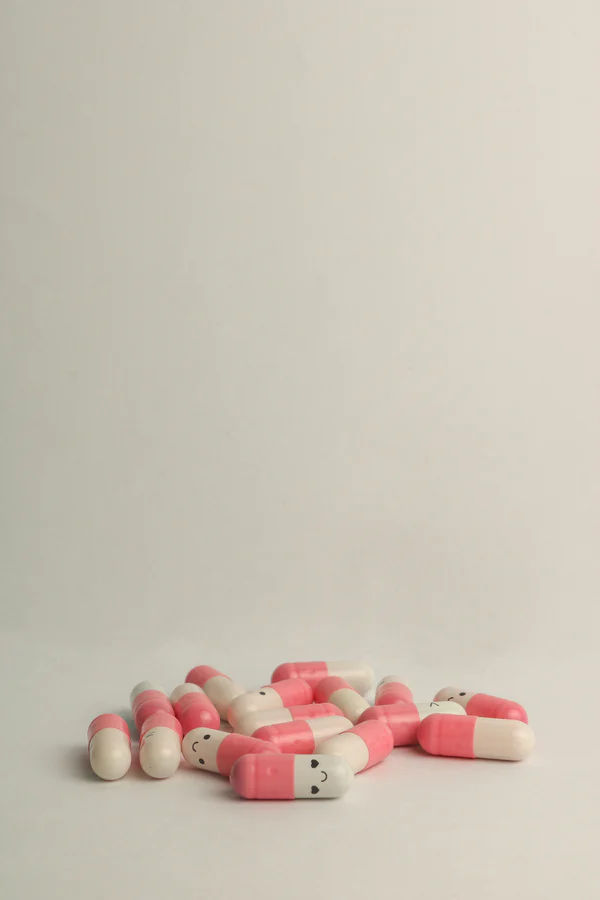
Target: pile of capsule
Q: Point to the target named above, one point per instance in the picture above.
(306, 734)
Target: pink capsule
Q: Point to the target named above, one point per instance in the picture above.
(403, 719)
(196, 711)
(391, 690)
(286, 776)
(109, 746)
(249, 723)
(484, 704)
(146, 699)
(358, 674)
(338, 691)
(160, 745)
(292, 692)
(476, 737)
(219, 688)
(363, 746)
(217, 751)
(302, 735)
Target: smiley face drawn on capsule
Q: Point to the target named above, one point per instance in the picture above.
(321, 776)
(204, 751)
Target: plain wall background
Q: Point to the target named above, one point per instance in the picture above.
(300, 323)
(299, 358)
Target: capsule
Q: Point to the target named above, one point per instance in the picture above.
(194, 710)
(147, 699)
(484, 704)
(220, 689)
(359, 675)
(160, 745)
(291, 692)
(249, 723)
(392, 690)
(476, 737)
(109, 746)
(403, 719)
(337, 690)
(290, 777)
(363, 746)
(303, 735)
(217, 751)
(181, 690)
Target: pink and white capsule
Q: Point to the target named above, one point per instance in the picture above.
(289, 777)
(109, 746)
(358, 674)
(217, 751)
(249, 723)
(181, 690)
(337, 690)
(392, 689)
(484, 704)
(160, 745)
(363, 746)
(220, 689)
(303, 735)
(291, 692)
(194, 710)
(147, 699)
(403, 719)
(475, 737)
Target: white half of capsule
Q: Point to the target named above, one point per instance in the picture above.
(203, 743)
(331, 777)
(350, 747)
(251, 721)
(502, 739)
(110, 754)
(358, 674)
(254, 701)
(142, 686)
(327, 726)
(457, 695)
(446, 707)
(183, 689)
(350, 703)
(160, 752)
(222, 691)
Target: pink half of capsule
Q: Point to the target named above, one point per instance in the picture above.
(356, 673)
(287, 776)
(476, 737)
(403, 719)
(293, 692)
(392, 691)
(363, 746)
(109, 746)
(217, 751)
(338, 691)
(303, 735)
(196, 711)
(147, 703)
(219, 688)
(484, 704)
